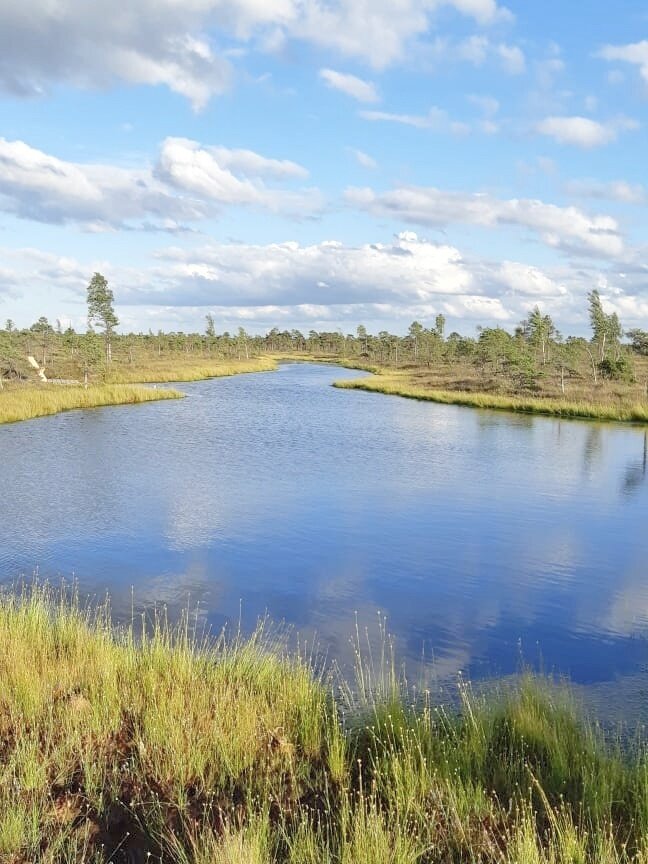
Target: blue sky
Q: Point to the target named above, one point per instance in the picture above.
(323, 163)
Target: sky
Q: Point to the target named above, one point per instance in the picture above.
(319, 164)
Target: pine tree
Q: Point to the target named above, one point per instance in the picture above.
(100, 310)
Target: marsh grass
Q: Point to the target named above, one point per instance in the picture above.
(121, 384)
(150, 369)
(27, 402)
(154, 743)
(400, 384)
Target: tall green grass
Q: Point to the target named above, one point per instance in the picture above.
(152, 743)
(25, 403)
(398, 385)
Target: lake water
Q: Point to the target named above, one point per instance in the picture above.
(483, 537)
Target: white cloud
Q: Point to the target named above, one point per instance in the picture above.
(635, 53)
(615, 190)
(189, 183)
(249, 163)
(35, 185)
(329, 282)
(190, 168)
(476, 49)
(512, 58)
(379, 31)
(355, 87)
(576, 130)
(529, 281)
(483, 11)
(436, 119)
(364, 159)
(582, 131)
(473, 49)
(488, 105)
(408, 270)
(566, 228)
(164, 42)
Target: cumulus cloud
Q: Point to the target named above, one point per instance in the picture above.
(582, 131)
(189, 183)
(355, 87)
(178, 44)
(402, 280)
(202, 171)
(325, 284)
(406, 270)
(567, 228)
(529, 281)
(635, 53)
(36, 185)
(379, 31)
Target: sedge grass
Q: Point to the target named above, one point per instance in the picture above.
(166, 370)
(25, 403)
(154, 744)
(398, 384)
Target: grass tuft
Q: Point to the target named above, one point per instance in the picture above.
(152, 743)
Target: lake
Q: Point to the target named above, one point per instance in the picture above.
(488, 540)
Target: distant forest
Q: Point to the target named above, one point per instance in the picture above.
(523, 360)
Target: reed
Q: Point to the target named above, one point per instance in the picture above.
(152, 743)
(27, 402)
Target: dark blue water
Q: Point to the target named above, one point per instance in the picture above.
(484, 537)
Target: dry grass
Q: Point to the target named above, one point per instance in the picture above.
(119, 385)
(403, 383)
(178, 368)
(148, 744)
(39, 400)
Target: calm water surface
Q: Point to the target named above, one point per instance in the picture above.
(484, 537)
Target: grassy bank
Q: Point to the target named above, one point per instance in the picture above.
(177, 368)
(131, 746)
(401, 384)
(121, 386)
(25, 403)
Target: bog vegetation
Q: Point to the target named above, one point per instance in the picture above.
(152, 744)
(534, 368)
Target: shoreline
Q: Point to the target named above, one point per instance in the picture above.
(28, 402)
(391, 382)
(395, 384)
(124, 387)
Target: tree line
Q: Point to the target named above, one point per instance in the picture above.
(522, 358)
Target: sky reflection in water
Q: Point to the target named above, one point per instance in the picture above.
(482, 536)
